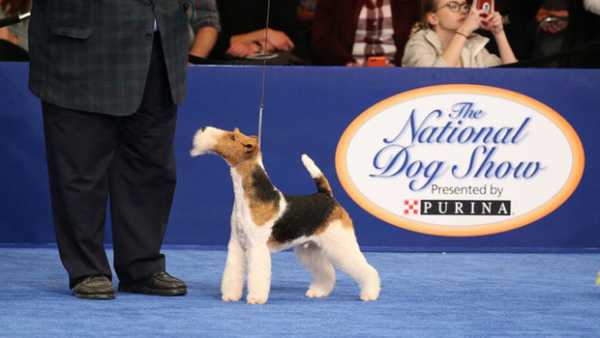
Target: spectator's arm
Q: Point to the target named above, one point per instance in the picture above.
(326, 47)
(205, 15)
(204, 41)
(6, 34)
(452, 54)
(493, 23)
(506, 52)
(275, 40)
(206, 25)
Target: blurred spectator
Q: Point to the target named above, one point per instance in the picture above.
(306, 12)
(14, 39)
(306, 17)
(204, 27)
(243, 25)
(584, 35)
(348, 32)
(552, 20)
(542, 29)
(445, 37)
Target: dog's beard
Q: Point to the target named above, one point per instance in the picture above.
(199, 151)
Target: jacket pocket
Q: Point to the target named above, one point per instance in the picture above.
(70, 18)
(72, 32)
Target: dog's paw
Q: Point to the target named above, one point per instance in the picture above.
(253, 299)
(230, 297)
(315, 292)
(369, 294)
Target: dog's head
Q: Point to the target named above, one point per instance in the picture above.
(233, 146)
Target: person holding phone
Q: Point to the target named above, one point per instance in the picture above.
(445, 36)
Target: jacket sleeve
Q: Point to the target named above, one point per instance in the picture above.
(326, 46)
(418, 53)
(204, 14)
(488, 59)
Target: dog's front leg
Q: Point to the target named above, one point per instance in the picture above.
(232, 284)
(259, 273)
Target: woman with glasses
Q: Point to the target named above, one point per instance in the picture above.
(445, 37)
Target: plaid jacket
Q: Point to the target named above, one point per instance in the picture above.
(93, 55)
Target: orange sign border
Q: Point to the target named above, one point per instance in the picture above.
(556, 201)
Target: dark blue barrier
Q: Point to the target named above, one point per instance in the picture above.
(307, 110)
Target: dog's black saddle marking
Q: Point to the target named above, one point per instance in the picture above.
(303, 216)
(264, 189)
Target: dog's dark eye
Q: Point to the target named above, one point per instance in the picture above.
(247, 146)
(232, 137)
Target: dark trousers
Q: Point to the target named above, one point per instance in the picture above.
(94, 158)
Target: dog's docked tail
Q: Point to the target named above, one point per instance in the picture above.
(320, 179)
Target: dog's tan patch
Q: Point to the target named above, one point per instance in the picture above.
(236, 148)
(260, 211)
(337, 214)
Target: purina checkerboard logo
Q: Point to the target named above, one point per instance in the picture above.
(457, 208)
(460, 160)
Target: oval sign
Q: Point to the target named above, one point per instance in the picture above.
(460, 160)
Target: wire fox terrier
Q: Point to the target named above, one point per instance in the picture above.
(265, 220)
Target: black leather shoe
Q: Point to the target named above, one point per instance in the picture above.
(160, 283)
(94, 287)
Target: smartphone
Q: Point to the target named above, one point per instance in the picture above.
(377, 61)
(487, 6)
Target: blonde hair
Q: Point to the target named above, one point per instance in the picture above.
(427, 6)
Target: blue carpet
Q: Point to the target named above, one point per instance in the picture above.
(424, 295)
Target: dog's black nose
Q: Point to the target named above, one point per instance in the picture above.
(202, 129)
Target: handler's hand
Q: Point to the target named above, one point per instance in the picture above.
(14, 7)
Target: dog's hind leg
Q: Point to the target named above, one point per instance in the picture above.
(323, 274)
(340, 245)
(232, 284)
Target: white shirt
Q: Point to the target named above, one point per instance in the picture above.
(592, 6)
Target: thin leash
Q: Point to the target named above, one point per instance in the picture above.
(261, 106)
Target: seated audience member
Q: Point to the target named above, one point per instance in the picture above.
(552, 35)
(445, 37)
(306, 17)
(306, 13)
(243, 25)
(586, 22)
(349, 32)
(14, 44)
(566, 27)
(204, 28)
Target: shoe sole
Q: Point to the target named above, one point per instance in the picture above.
(154, 292)
(96, 296)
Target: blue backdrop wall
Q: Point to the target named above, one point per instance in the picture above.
(307, 110)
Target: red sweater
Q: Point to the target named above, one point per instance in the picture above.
(335, 24)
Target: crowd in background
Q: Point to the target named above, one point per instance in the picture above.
(408, 33)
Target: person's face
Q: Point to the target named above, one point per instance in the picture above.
(449, 14)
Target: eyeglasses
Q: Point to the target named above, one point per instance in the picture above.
(456, 7)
